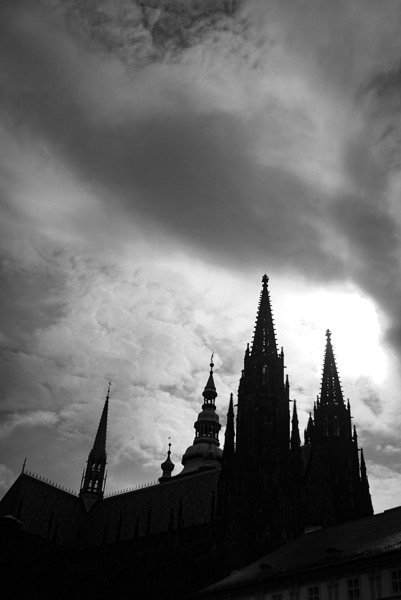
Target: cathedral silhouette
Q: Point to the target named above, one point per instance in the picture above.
(226, 508)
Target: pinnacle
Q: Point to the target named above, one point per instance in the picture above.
(331, 392)
(264, 338)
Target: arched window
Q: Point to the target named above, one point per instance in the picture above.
(336, 427)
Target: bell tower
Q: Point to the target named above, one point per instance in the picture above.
(205, 452)
(334, 478)
(256, 482)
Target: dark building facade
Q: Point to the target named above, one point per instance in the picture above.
(224, 509)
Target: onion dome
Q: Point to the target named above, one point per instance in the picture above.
(167, 466)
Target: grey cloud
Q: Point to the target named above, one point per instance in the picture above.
(191, 174)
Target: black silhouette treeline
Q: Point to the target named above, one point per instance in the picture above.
(223, 510)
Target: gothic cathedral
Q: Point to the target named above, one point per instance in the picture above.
(225, 508)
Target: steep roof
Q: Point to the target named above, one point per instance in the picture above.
(363, 538)
(153, 509)
(45, 510)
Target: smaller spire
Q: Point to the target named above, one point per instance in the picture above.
(365, 497)
(23, 466)
(295, 439)
(209, 393)
(309, 431)
(229, 447)
(364, 476)
(207, 427)
(167, 466)
(355, 436)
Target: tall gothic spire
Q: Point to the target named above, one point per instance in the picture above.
(331, 392)
(264, 338)
(93, 478)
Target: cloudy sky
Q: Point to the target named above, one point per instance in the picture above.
(156, 159)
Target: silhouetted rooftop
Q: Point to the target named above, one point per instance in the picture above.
(356, 539)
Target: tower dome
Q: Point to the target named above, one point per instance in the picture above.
(205, 452)
(167, 466)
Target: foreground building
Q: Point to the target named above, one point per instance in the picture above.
(356, 560)
(223, 510)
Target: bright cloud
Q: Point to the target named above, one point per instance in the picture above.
(155, 162)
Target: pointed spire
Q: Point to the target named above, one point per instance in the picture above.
(309, 431)
(207, 425)
(295, 439)
(99, 446)
(229, 436)
(355, 436)
(264, 338)
(93, 479)
(331, 392)
(209, 393)
(366, 507)
(364, 476)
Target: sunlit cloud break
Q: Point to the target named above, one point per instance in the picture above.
(152, 168)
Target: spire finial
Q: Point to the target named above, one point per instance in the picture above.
(108, 391)
(23, 466)
(167, 466)
(209, 393)
(328, 334)
(265, 280)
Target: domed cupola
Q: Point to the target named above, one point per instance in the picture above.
(167, 467)
(205, 452)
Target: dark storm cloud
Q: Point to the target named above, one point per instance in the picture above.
(190, 172)
(187, 169)
(243, 138)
